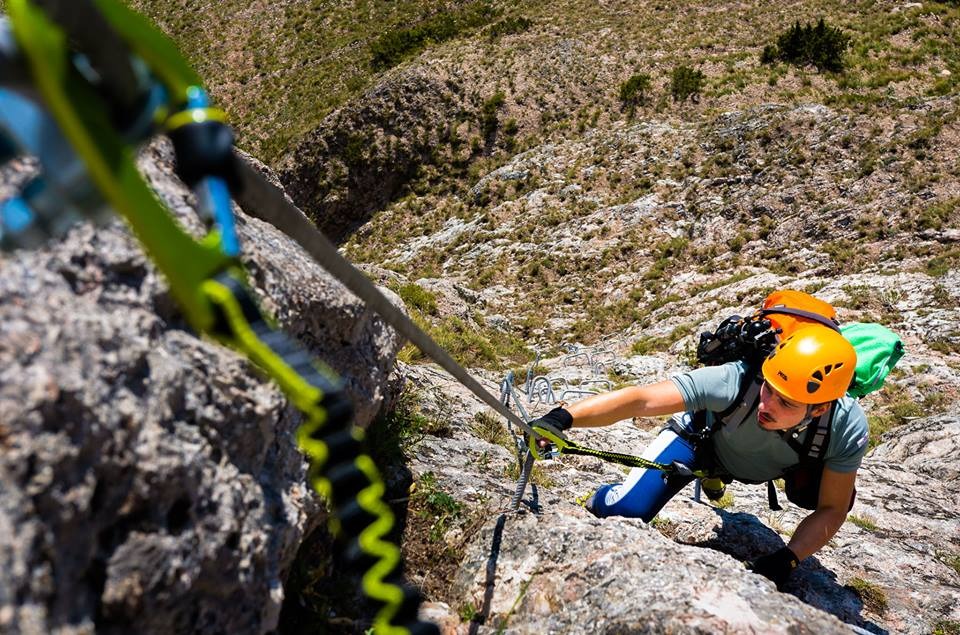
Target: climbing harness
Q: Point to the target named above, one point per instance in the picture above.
(122, 83)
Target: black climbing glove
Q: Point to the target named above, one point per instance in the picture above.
(776, 566)
(558, 418)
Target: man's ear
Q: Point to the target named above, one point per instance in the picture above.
(819, 409)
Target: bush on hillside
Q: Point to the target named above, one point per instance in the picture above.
(633, 92)
(686, 82)
(391, 47)
(509, 26)
(821, 45)
(488, 114)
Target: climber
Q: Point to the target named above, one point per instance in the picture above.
(803, 380)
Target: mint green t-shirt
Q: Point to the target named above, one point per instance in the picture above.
(751, 453)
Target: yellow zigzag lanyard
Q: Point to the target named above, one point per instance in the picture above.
(210, 289)
(564, 445)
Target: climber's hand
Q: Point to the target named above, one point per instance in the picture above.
(776, 566)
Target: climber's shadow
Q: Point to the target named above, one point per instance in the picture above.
(745, 537)
(495, 541)
(534, 503)
(484, 612)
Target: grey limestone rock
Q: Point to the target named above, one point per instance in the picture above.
(553, 567)
(927, 445)
(149, 479)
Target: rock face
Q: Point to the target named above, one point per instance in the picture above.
(150, 479)
(553, 567)
(561, 571)
(623, 225)
(927, 446)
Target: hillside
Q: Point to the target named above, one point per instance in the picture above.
(521, 140)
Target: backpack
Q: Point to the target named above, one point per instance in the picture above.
(752, 339)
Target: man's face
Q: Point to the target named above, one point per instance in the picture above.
(777, 412)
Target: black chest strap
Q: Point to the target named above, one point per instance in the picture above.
(814, 445)
(747, 400)
(813, 449)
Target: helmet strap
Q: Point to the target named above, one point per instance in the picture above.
(800, 427)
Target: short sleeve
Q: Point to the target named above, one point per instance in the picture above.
(712, 388)
(848, 437)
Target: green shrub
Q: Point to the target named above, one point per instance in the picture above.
(769, 56)
(488, 114)
(391, 47)
(821, 45)
(633, 92)
(435, 505)
(509, 26)
(404, 426)
(946, 627)
(685, 82)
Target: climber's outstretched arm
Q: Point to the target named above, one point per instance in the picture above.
(662, 398)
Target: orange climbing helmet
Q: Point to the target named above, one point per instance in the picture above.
(813, 365)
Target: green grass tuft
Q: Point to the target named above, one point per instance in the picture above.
(946, 627)
(434, 504)
(488, 427)
(873, 597)
(862, 522)
(416, 297)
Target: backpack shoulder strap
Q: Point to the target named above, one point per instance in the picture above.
(814, 446)
(810, 315)
(812, 450)
(747, 399)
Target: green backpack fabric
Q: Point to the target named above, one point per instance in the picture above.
(878, 350)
